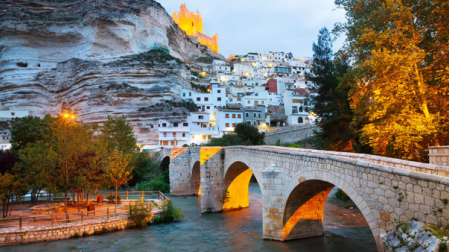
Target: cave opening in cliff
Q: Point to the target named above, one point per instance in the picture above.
(22, 64)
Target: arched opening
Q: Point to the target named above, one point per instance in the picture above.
(195, 179)
(22, 64)
(236, 194)
(308, 212)
(300, 119)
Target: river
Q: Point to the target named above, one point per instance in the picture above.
(239, 230)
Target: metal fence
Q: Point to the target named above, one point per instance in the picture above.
(53, 220)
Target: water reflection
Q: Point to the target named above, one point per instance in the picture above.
(239, 230)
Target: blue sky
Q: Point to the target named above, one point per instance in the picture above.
(264, 25)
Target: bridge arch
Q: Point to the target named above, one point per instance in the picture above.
(195, 178)
(237, 176)
(303, 203)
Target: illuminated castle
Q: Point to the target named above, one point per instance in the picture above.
(192, 24)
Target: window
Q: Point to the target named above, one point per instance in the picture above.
(218, 91)
(204, 125)
(249, 102)
(239, 98)
(247, 114)
(219, 99)
(193, 137)
(165, 143)
(209, 137)
(294, 110)
(199, 107)
(297, 101)
(258, 123)
(174, 134)
(190, 93)
(159, 125)
(300, 120)
(305, 102)
(200, 117)
(183, 94)
(206, 99)
(255, 115)
(198, 98)
(207, 107)
(248, 123)
(233, 115)
(183, 134)
(226, 115)
(227, 124)
(13, 113)
(175, 124)
(233, 125)
(259, 115)
(165, 134)
(151, 125)
(185, 124)
(263, 102)
(239, 116)
(164, 125)
(254, 123)
(172, 142)
(256, 102)
(204, 137)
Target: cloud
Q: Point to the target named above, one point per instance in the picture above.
(264, 25)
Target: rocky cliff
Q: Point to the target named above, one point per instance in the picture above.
(91, 54)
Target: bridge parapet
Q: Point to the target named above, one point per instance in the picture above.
(436, 169)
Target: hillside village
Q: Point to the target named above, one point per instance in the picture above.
(262, 90)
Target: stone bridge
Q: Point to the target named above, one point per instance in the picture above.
(296, 182)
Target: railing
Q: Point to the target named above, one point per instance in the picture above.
(52, 220)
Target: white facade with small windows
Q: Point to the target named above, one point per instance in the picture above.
(260, 98)
(243, 70)
(298, 107)
(13, 114)
(220, 66)
(173, 134)
(227, 119)
(206, 102)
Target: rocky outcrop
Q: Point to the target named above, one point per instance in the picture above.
(415, 236)
(80, 52)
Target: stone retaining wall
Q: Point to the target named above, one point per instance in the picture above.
(439, 155)
(40, 234)
(290, 134)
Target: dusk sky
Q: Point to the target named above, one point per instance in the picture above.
(248, 26)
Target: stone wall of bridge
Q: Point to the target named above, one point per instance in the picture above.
(295, 184)
(290, 134)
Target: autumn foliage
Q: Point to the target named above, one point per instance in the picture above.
(399, 73)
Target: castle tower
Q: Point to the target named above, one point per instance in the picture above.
(192, 24)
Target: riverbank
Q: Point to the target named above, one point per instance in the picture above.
(239, 230)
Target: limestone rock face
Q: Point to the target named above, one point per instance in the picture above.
(78, 51)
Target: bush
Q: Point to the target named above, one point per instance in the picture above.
(139, 214)
(154, 185)
(342, 195)
(170, 213)
(111, 199)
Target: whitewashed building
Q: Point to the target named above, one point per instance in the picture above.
(227, 119)
(298, 107)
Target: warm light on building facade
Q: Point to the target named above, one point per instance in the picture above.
(192, 24)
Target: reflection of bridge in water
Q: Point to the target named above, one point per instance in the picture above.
(296, 182)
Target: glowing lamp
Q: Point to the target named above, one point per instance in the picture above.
(66, 115)
(73, 116)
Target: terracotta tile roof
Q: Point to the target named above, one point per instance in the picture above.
(301, 91)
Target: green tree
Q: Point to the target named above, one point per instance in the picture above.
(331, 105)
(118, 134)
(30, 129)
(117, 170)
(13, 186)
(249, 133)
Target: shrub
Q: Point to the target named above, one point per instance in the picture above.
(111, 199)
(342, 195)
(170, 213)
(139, 214)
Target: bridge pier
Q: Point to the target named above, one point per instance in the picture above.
(272, 203)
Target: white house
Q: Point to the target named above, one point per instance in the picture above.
(298, 106)
(13, 113)
(227, 119)
(260, 98)
(201, 128)
(173, 134)
(206, 101)
(243, 70)
(220, 66)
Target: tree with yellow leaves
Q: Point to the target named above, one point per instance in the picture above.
(400, 56)
(117, 170)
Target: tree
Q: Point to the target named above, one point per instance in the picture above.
(249, 133)
(12, 187)
(30, 129)
(400, 74)
(117, 170)
(331, 105)
(8, 160)
(118, 134)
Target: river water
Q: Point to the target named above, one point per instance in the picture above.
(239, 230)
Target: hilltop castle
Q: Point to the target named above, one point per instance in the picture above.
(192, 24)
